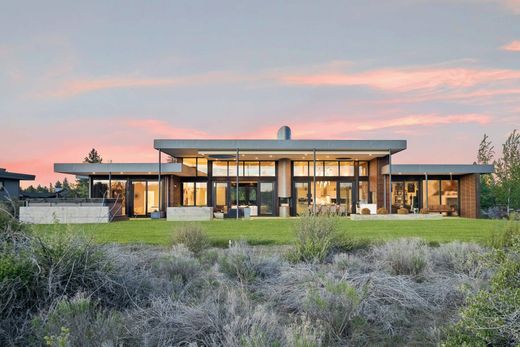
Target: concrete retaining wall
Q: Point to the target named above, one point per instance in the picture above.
(64, 214)
(189, 213)
(396, 216)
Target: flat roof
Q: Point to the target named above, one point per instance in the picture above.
(4, 174)
(197, 148)
(438, 169)
(87, 169)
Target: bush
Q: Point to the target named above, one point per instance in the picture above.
(336, 305)
(78, 322)
(314, 238)
(365, 211)
(424, 211)
(382, 210)
(506, 236)
(403, 257)
(403, 210)
(491, 317)
(192, 236)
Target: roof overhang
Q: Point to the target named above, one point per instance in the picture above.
(276, 149)
(86, 169)
(15, 176)
(437, 169)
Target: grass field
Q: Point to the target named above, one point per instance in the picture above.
(281, 231)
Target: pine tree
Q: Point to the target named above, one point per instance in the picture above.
(93, 157)
(485, 155)
(508, 172)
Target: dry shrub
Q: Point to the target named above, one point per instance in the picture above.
(314, 238)
(365, 211)
(382, 210)
(403, 257)
(192, 236)
(403, 210)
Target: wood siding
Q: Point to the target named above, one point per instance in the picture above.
(377, 180)
(469, 197)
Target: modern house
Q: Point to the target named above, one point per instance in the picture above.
(283, 177)
(10, 184)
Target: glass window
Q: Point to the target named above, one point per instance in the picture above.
(397, 196)
(363, 168)
(202, 167)
(191, 162)
(266, 197)
(301, 168)
(188, 193)
(433, 195)
(233, 168)
(319, 168)
(139, 201)
(201, 193)
(153, 197)
(345, 196)
(251, 168)
(99, 189)
(119, 193)
(346, 168)
(220, 196)
(325, 192)
(450, 194)
(363, 192)
(411, 195)
(331, 168)
(219, 168)
(302, 197)
(267, 168)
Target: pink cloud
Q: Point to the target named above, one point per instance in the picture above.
(425, 120)
(406, 79)
(513, 46)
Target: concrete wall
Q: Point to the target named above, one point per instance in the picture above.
(189, 213)
(64, 214)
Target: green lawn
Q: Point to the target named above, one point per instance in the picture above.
(280, 231)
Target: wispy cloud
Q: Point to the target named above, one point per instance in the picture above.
(513, 46)
(406, 79)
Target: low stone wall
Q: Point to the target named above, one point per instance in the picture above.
(64, 214)
(189, 213)
(396, 216)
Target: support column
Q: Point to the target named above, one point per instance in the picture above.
(426, 190)
(314, 183)
(390, 179)
(238, 174)
(109, 179)
(159, 182)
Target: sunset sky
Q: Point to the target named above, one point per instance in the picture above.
(116, 75)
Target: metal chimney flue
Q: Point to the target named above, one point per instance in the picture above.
(284, 133)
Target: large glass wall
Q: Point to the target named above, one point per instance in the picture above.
(450, 194)
(245, 168)
(139, 198)
(363, 192)
(405, 194)
(220, 196)
(246, 194)
(326, 193)
(328, 168)
(119, 193)
(345, 196)
(302, 197)
(152, 200)
(442, 192)
(194, 193)
(99, 188)
(199, 164)
(266, 198)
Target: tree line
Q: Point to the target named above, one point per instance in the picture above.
(501, 190)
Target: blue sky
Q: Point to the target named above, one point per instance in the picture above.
(116, 75)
